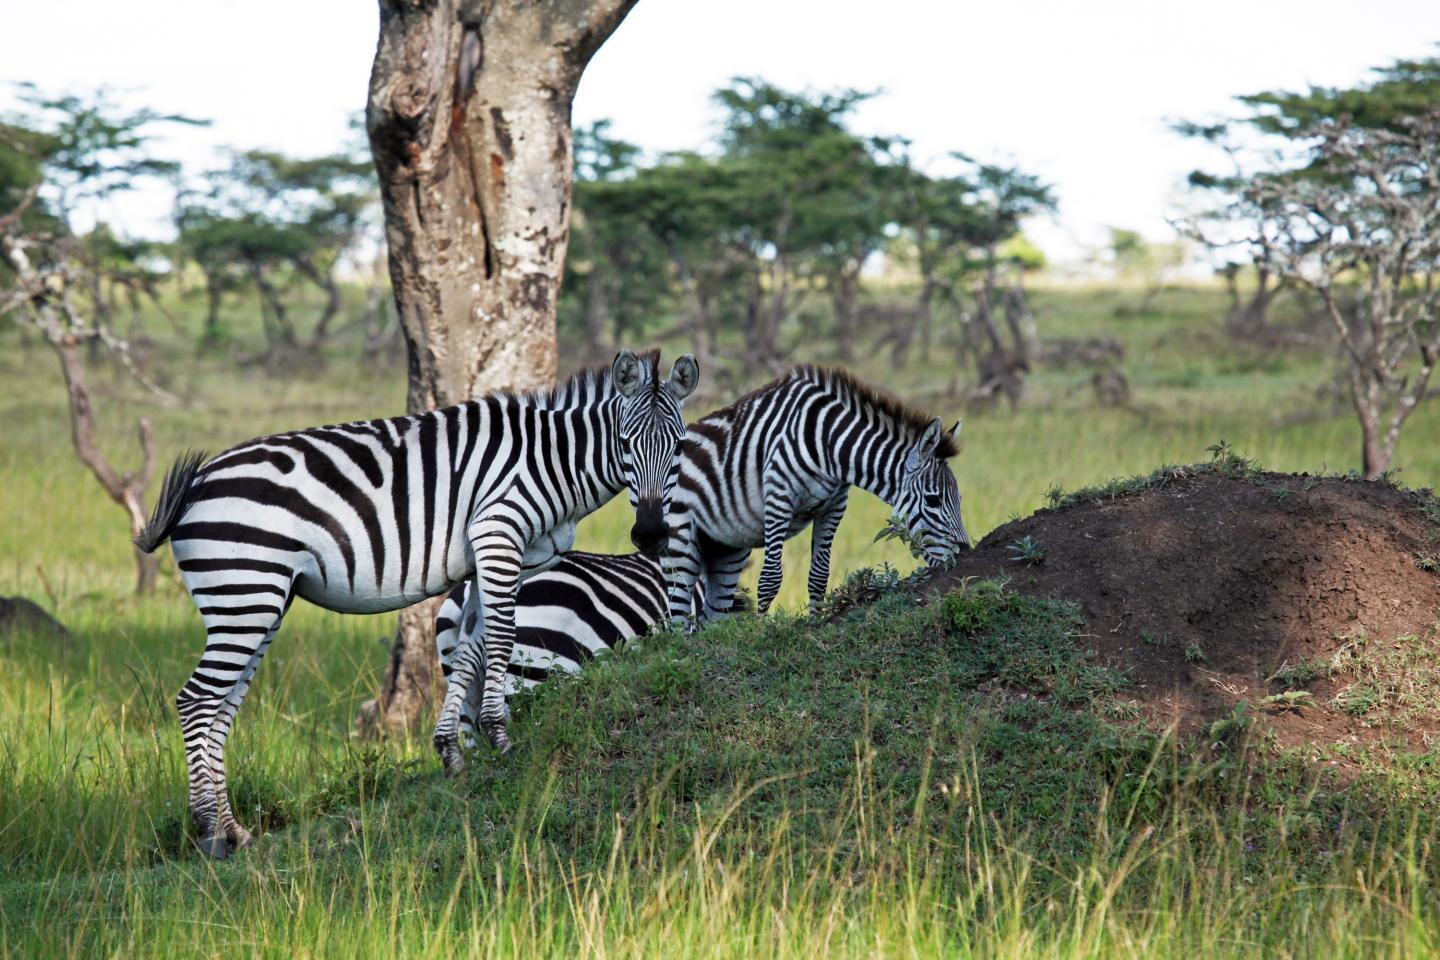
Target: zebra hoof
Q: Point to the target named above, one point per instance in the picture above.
(499, 740)
(454, 763)
(214, 846)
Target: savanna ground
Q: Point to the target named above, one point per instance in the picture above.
(956, 777)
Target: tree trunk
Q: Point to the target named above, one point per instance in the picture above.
(279, 332)
(844, 292)
(213, 295)
(1257, 311)
(1365, 394)
(595, 313)
(698, 322)
(326, 282)
(65, 336)
(469, 124)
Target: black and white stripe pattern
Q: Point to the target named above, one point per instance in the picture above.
(760, 470)
(585, 605)
(375, 515)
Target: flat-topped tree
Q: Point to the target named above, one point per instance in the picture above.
(266, 218)
(469, 124)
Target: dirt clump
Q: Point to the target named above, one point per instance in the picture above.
(1209, 589)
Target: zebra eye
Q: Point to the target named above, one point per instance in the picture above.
(932, 499)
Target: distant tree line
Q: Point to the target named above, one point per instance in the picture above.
(748, 249)
(790, 205)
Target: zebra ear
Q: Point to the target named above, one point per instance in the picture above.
(683, 377)
(955, 430)
(626, 374)
(925, 448)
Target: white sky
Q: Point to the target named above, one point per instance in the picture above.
(1077, 92)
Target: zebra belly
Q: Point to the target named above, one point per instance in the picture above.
(747, 531)
(739, 532)
(319, 570)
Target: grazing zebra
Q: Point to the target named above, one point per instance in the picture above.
(376, 515)
(584, 605)
(760, 470)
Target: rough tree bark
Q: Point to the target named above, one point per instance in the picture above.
(469, 124)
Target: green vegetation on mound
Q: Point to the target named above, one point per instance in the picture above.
(949, 776)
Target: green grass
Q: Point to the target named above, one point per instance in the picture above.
(954, 780)
(943, 780)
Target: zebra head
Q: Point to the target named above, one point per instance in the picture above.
(651, 430)
(929, 499)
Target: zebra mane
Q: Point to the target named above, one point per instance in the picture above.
(586, 385)
(845, 382)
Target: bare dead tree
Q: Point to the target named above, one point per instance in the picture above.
(42, 298)
(469, 125)
(1365, 213)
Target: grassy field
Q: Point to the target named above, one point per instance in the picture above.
(766, 789)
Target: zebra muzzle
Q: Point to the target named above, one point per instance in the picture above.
(650, 533)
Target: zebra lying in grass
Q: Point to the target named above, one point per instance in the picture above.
(585, 605)
(375, 515)
(762, 469)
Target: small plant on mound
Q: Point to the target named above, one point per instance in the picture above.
(1291, 701)
(1293, 676)
(1226, 462)
(861, 587)
(1025, 550)
(896, 529)
(1230, 729)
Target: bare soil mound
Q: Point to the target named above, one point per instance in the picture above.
(1313, 599)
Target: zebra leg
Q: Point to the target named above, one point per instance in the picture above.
(722, 573)
(460, 621)
(235, 834)
(778, 514)
(822, 535)
(683, 566)
(239, 627)
(497, 575)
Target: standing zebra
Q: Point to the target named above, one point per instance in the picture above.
(758, 471)
(375, 515)
(586, 604)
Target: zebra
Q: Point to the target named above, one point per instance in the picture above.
(759, 471)
(375, 515)
(585, 605)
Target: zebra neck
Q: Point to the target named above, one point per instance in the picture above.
(583, 450)
(871, 458)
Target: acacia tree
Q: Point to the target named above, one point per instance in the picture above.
(1367, 213)
(469, 124)
(797, 172)
(1339, 197)
(940, 218)
(617, 264)
(268, 220)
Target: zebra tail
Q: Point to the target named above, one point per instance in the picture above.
(175, 494)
